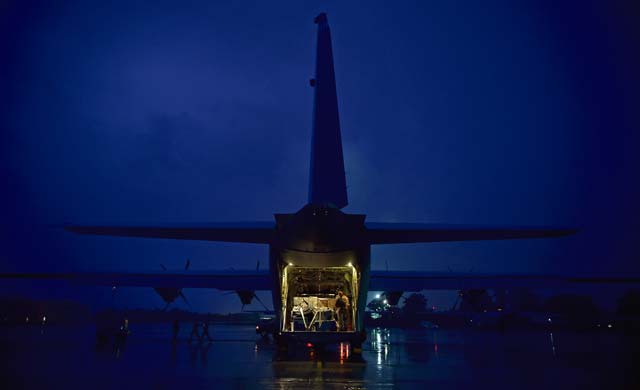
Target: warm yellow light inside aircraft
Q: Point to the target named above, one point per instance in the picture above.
(312, 301)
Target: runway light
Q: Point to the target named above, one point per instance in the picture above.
(499, 309)
(309, 345)
(385, 301)
(549, 319)
(257, 327)
(609, 326)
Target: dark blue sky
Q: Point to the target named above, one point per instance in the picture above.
(488, 113)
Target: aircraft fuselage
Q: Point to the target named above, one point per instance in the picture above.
(317, 252)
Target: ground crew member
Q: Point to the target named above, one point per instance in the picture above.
(194, 331)
(205, 331)
(341, 310)
(347, 312)
(176, 330)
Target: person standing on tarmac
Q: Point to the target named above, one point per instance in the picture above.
(176, 330)
(194, 331)
(205, 331)
(121, 337)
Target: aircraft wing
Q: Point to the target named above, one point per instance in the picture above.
(248, 232)
(221, 280)
(419, 280)
(404, 233)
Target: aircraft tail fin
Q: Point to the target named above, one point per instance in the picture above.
(327, 182)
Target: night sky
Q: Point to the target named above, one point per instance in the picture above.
(519, 113)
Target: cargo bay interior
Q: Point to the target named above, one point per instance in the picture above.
(309, 297)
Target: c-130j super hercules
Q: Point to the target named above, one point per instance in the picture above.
(319, 250)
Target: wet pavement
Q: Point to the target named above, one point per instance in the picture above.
(57, 356)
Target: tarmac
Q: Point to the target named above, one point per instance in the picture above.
(67, 357)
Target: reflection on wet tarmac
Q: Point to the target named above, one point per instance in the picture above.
(390, 358)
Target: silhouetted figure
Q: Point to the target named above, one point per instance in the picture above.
(194, 331)
(341, 311)
(205, 331)
(176, 330)
(347, 313)
(121, 337)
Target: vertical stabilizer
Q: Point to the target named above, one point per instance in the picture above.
(327, 183)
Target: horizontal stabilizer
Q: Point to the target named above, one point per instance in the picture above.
(221, 280)
(248, 232)
(404, 233)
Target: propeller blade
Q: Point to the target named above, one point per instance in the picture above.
(262, 303)
(185, 299)
(187, 264)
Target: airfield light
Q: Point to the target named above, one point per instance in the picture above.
(385, 301)
(499, 309)
(609, 326)
(377, 296)
(549, 319)
(309, 345)
(291, 264)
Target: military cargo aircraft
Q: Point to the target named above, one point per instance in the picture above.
(319, 250)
